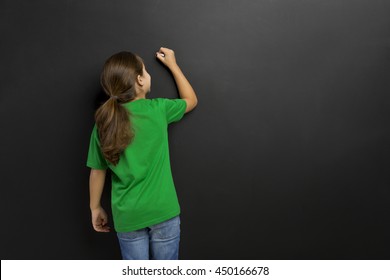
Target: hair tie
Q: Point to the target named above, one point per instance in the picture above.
(114, 96)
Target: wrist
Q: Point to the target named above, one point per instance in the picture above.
(174, 68)
(95, 206)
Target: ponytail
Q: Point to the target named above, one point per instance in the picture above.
(112, 118)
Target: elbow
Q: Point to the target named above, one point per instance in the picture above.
(191, 104)
(194, 103)
(195, 100)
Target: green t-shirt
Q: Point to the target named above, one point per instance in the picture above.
(143, 191)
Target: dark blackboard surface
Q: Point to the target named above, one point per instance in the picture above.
(286, 156)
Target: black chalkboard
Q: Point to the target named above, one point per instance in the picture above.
(286, 156)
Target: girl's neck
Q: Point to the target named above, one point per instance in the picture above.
(141, 96)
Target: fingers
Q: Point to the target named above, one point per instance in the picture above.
(100, 223)
(167, 57)
(160, 56)
(162, 52)
(101, 228)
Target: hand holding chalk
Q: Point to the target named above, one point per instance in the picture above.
(167, 57)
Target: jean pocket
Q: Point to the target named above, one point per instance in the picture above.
(131, 234)
(167, 230)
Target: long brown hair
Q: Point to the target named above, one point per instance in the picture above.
(112, 118)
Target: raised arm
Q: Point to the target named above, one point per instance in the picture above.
(186, 92)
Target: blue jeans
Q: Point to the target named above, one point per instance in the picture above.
(156, 242)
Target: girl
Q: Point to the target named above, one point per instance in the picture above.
(130, 137)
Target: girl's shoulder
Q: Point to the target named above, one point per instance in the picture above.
(159, 101)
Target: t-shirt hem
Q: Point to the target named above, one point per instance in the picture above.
(96, 166)
(148, 223)
(182, 114)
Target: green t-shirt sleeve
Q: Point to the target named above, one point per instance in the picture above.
(95, 157)
(174, 109)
